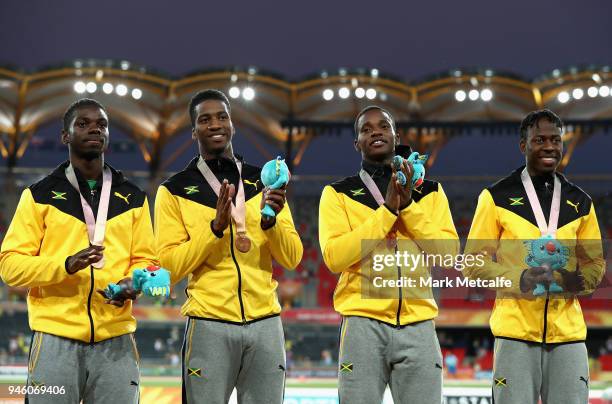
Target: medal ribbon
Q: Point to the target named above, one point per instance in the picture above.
(371, 186)
(239, 210)
(96, 227)
(553, 220)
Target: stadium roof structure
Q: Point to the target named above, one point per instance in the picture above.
(150, 106)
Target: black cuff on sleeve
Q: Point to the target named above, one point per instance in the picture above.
(389, 209)
(405, 207)
(218, 234)
(268, 225)
(521, 282)
(66, 266)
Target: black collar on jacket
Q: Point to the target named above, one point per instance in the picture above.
(91, 196)
(60, 173)
(222, 167)
(544, 186)
(381, 172)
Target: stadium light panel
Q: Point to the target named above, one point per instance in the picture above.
(234, 92)
(486, 95)
(91, 87)
(248, 93)
(563, 97)
(592, 92)
(80, 87)
(370, 93)
(360, 92)
(107, 88)
(328, 94)
(604, 91)
(473, 95)
(137, 93)
(460, 95)
(344, 92)
(577, 93)
(121, 90)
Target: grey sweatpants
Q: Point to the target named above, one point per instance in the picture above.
(219, 356)
(374, 354)
(100, 373)
(524, 371)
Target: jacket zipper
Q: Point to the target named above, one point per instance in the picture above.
(545, 319)
(239, 274)
(94, 201)
(399, 278)
(91, 275)
(91, 288)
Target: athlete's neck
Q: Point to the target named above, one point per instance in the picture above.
(536, 173)
(227, 153)
(381, 162)
(90, 169)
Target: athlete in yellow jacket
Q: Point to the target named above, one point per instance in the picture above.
(47, 249)
(387, 337)
(234, 335)
(539, 346)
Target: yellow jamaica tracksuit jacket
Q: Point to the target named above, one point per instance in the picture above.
(350, 216)
(503, 220)
(49, 226)
(224, 284)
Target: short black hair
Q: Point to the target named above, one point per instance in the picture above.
(534, 117)
(205, 95)
(370, 108)
(72, 108)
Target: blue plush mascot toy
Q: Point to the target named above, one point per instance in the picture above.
(152, 281)
(274, 175)
(546, 252)
(418, 166)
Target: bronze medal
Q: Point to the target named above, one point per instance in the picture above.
(243, 243)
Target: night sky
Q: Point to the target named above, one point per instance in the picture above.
(409, 39)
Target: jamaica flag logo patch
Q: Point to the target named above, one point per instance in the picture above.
(196, 372)
(346, 367)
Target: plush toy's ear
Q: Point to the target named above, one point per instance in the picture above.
(414, 156)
